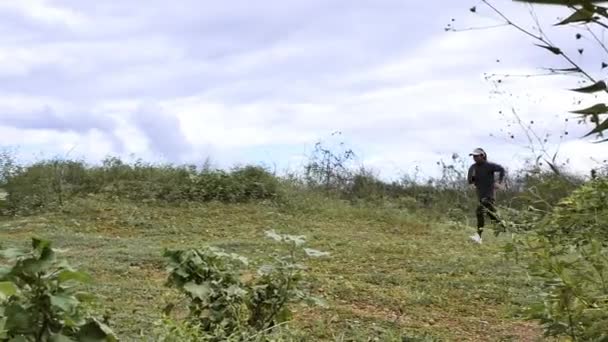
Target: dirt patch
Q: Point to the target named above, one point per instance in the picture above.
(112, 230)
(378, 313)
(460, 328)
(149, 270)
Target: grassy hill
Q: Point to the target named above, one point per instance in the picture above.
(400, 267)
(390, 274)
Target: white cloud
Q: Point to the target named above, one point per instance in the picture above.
(265, 82)
(43, 11)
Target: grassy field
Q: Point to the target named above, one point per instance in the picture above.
(391, 273)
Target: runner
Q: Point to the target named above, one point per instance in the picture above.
(482, 175)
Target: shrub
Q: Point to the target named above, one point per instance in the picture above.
(169, 330)
(240, 185)
(46, 185)
(581, 215)
(210, 279)
(567, 253)
(329, 167)
(366, 186)
(226, 301)
(572, 299)
(39, 300)
(542, 189)
(255, 183)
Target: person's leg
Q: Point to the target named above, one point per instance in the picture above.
(490, 208)
(488, 204)
(480, 218)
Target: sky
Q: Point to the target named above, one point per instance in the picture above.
(241, 82)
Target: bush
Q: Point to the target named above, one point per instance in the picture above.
(571, 301)
(46, 185)
(170, 330)
(581, 215)
(240, 185)
(226, 301)
(567, 253)
(542, 189)
(39, 300)
(365, 186)
(255, 183)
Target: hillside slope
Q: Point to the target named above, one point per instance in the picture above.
(390, 274)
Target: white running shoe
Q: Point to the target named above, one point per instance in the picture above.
(476, 238)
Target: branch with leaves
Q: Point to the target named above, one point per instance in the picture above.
(584, 12)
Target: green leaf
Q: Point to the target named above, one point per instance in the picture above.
(598, 86)
(47, 253)
(235, 291)
(563, 70)
(553, 49)
(18, 319)
(12, 253)
(2, 325)
(243, 260)
(81, 277)
(284, 315)
(34, 266)
(201, 291)
(168, 309)
(266, 270)
(95, 331)
(4, 271)
(601, 141)
(85, 297)
(560, 2)
(316, 301)
(65, 303)
(599, 128)
(40, 244)
(18, 339)
(553, 167)
(603, 11)
(581, 15)
(599, 108)
(7, 289)
(60, 338)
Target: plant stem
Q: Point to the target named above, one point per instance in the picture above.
(540, 39)
(45, 310)
(284, 291)
(571, 325)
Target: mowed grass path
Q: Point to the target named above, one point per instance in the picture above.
(389, 273)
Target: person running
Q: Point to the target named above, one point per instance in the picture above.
(482, 175)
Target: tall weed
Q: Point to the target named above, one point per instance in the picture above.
(567, 253)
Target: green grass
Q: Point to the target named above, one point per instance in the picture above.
(390, 274)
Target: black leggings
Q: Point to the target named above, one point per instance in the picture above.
(486, 206)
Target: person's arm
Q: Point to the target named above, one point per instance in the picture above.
(471, 175)
(501, 172)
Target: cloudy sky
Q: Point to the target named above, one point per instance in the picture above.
(239, 81)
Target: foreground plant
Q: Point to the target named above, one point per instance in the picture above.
(40, 301)
(228, 301)
(573, 297)
(567, 253)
